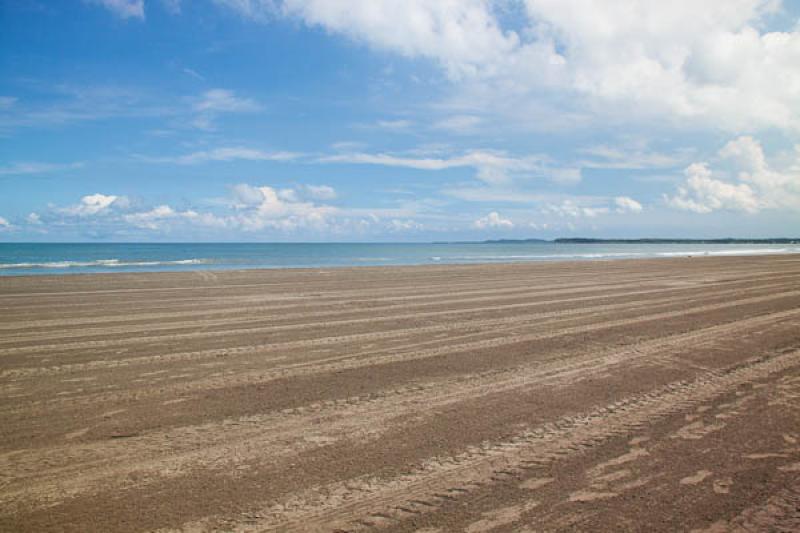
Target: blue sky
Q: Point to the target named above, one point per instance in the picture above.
(398, 120)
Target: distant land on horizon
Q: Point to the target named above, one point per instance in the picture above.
(584, 240)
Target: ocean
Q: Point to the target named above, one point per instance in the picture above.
(24, 259)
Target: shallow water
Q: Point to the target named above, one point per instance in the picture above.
(18, 259)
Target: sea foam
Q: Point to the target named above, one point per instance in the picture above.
(103, 263)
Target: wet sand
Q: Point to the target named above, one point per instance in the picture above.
(642, 395)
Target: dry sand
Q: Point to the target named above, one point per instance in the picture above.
(654, 395)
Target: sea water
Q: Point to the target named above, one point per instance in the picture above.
(29, 258)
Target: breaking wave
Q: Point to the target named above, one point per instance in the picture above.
(615, 255)
(108, 263)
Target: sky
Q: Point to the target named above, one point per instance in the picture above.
(398, 120)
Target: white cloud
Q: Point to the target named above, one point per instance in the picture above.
(222, 100)
(265, 207)
(319, 192)
(491, 167)
(4, 224)
(626, 204)
(163, 216)
(462, 35)
(193, 73)
(216, 101)
(348, 146)
(459, 123)
(493, 220)
(232, 153)
(399, 124)
(33, 167)
(245, 195)
(94, 204)
(493, 194)
(570, 208)
(709, 62)
(65, 103)
(703, 194)
(404, 225)
(604, 156)
(123, 8)
(150, 219)
(394, 161)
(564, 175)
(250, 209)
(757, 185)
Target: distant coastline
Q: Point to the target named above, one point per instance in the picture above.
(583, 240)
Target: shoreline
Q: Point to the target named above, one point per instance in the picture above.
(433, 264)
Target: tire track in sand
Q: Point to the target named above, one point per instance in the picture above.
(75, 469)
(367, 503)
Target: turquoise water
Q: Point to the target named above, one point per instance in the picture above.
(18, 259)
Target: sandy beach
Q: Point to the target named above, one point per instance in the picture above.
(640, 395)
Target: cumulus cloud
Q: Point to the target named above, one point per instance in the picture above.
(249, 209)
(262, 207)
(463, 35)
(707, 62)
(124, 9)
(570, 208)
(755, 186)
(95, 204)
(162, 216)
(703, 194)
(493, 220)
(4, 224)
(627, 205)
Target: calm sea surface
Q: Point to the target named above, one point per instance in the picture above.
(18, 259)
